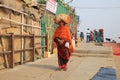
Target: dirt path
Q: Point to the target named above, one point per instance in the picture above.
(79, 68)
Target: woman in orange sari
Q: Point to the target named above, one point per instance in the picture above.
(62, 38)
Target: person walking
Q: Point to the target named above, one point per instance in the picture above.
(91, 36)
(63, 40)
(95, 35)
(88, 35)
(81, 36)
(100, 37)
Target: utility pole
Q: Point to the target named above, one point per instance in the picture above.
(69, 1)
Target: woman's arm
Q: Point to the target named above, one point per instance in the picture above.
(60, 41)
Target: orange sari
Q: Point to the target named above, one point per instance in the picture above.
(63, 33)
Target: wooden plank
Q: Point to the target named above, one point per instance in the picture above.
(12, 55)
(5, 56)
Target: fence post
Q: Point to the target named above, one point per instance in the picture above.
(46, 53)
(12, 50)
(46, 42)
(33, 55)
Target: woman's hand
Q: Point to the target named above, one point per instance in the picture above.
(60, 41)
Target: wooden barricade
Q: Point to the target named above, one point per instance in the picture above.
(9, 55)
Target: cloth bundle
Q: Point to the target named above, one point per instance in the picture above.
(63, 17)
(67, 45)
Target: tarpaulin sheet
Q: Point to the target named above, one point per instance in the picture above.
(105, 74)
(115, 47)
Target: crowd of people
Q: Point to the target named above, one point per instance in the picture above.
(93, 36)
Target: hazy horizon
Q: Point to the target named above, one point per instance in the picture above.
(96, 14)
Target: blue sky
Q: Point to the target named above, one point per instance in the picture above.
(96, 14)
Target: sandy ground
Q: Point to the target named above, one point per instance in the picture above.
(117, 63)
(79, 68)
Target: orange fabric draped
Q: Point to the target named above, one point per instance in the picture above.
(63, 32)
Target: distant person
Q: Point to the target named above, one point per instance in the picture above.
(100, 37)
(119, 37)
(113, 41)
(91, 36)
(81, 36)
(95, 35)
(63, 40)
(88, 35)
(102, 34)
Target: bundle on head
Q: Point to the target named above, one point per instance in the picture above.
(101, 30)
(62, 17)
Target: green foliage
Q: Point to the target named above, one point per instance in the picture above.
(60, 1)
(42, 1)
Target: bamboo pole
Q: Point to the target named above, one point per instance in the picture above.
(2, 18)
(22, 40)
(33, 54)
(46, 42)
(4, 6)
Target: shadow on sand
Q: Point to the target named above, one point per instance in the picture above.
(43, 66)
